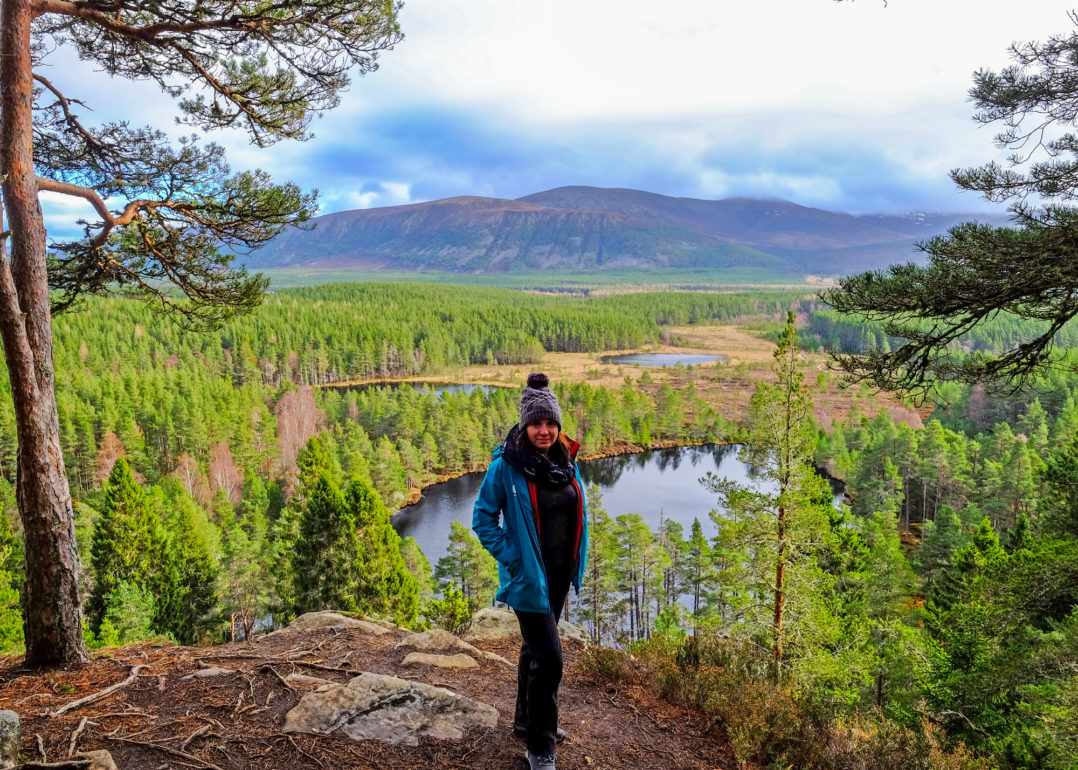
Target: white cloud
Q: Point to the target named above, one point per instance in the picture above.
(605, 87)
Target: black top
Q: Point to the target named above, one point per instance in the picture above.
(558, 525)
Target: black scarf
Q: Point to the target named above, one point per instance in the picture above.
(542, 469)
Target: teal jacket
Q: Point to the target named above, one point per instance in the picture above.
(514, 541)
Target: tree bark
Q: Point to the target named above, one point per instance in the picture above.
(52, 619)
(780, 595)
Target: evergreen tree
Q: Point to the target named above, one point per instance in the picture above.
(386, 588)
(129, 616)
(327, 557)
(672, 542)
(784, 529)
(418, 564)
(190, 610)
(940, 540)
(451, 611)
(976, 271)
(468, 564)
(698, 576)
(598, 592)
(10, 613)
(129, 545)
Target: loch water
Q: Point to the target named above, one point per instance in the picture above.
(658, 484)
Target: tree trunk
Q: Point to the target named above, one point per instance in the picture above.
(52, 619)
(780, 596)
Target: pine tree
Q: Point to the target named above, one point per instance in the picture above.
(782, 530)
(386, 588)
(697, 576)
(190, 610)
(129, 544)
(327, 556)
(637, 560)
(598, 592)
(940, 539)
(468, 565)
(418, 564)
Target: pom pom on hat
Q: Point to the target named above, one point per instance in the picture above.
(538, 380)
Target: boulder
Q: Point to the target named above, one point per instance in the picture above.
(313, 621)
(494, 625)
(460, 660)
(209, 673)
(10, 738)
(567, 630)
(440, 640)
(388, 709)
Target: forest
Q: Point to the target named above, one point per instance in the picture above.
(935, 610)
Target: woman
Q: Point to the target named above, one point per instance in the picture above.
(540, 544)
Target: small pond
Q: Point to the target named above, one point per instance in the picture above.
(660, 359)
(659, 484)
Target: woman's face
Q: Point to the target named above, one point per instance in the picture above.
(542, 434)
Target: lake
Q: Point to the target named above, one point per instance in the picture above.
(661, 359)
(662, 483)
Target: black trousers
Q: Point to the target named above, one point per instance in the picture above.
(539, 670)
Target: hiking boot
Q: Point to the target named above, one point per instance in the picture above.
(522, 730)
(540, 762)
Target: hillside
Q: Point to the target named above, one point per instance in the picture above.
(588, 228)
(240, 709)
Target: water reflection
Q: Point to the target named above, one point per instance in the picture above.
(429, 388)
(660, 484)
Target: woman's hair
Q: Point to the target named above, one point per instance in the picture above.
(558, 452)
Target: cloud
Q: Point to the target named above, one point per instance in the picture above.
(850, 106)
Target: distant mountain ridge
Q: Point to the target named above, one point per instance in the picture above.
(594, 228)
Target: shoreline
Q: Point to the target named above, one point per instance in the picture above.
(611, 450)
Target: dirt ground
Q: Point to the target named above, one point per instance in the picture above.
(234, 721)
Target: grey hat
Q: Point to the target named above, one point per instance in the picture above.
(538, 402)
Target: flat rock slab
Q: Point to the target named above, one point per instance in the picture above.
(385, 708)
(460, 660)
(209, 673)
(313, 621)
(439, 640)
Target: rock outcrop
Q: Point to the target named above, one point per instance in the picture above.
(493, 625)
(460, 660)
(10, 736)
(315, 620)
(385, 708)
(438, 640)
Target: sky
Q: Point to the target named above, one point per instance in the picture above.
(858, 106)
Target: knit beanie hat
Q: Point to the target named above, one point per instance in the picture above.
(538, 402)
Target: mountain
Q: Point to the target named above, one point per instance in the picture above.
(591, 227)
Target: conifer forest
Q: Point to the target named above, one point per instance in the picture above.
(220, 490)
